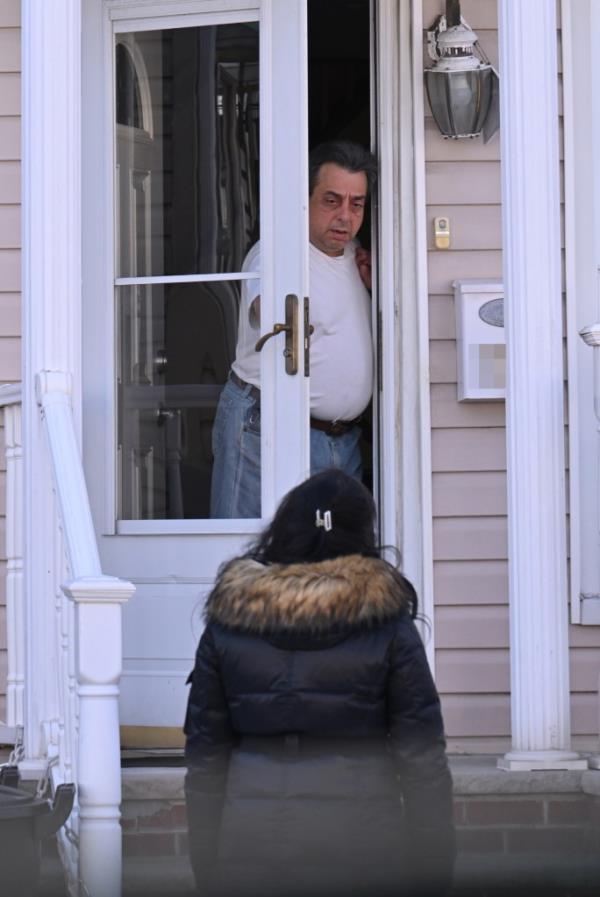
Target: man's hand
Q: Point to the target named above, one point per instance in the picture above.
(254, 313)
(363, 263)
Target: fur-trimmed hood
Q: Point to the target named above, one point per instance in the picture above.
(314, 599)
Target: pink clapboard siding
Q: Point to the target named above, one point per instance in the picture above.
(469, 455)
(468, 440)
(10, 259)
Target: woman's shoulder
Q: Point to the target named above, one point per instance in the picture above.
(352, 591)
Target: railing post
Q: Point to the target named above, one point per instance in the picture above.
(99, 660)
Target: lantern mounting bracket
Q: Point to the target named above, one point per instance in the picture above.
(439, 26)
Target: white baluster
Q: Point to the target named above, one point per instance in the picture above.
(10, 397)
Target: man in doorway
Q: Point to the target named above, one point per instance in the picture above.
(341, 351)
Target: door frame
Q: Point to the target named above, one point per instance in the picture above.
(405, 501)
(404, 404)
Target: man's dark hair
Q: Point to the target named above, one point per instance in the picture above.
(346, 154)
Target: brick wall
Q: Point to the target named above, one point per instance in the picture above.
(154, 828)
(521, 824)
(508, 846)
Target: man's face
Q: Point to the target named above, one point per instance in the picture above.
(336, 208)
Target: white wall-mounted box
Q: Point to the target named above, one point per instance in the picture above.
(481, 344)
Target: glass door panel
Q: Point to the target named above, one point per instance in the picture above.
(175, 344)
(187, 210)
(187, 110)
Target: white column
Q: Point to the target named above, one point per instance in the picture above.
(63, 638)
(51, 239)
(537, 542)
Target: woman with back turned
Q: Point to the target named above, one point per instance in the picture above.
(315, 746)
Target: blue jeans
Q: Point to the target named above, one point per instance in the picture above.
(235, 486)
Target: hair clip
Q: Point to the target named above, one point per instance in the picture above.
(324, 521)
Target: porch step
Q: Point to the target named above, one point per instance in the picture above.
(159, 775)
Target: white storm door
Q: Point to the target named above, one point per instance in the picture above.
(194, 146)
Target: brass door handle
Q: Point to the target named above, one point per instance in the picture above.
(290, 328)
(278, 328)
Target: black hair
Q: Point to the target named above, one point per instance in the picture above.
(346, 154)
(293, 535)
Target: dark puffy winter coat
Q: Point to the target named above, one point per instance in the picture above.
(315, 747)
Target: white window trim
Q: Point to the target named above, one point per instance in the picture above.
(145, 9)
(173, 527)
(123, 26)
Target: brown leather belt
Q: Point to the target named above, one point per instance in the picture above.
(329, 427)
(253, 391)
(333, 427)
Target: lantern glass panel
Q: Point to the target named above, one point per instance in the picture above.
(460, 100)
(436, 91)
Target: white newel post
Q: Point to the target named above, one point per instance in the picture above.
(10, 400)
(98, 626)
(535, 424)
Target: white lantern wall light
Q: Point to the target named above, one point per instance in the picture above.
(462, 85)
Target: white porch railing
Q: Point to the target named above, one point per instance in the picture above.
(90, 647)
(10, 401)
(81, 742)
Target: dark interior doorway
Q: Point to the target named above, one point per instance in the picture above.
(339, 105)
(339, 75)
